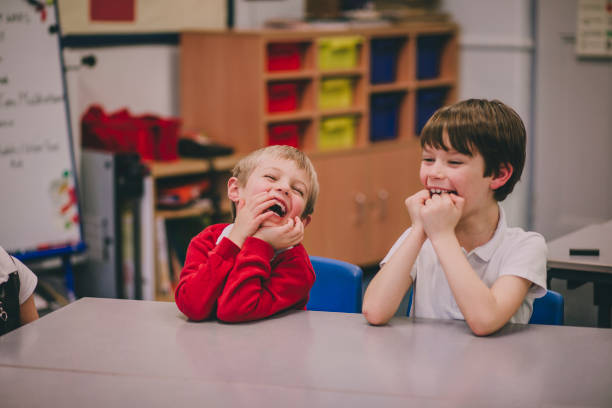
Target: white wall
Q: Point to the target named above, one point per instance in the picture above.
(496, 48)
(573, 127)
(252, 14)
(142, 78)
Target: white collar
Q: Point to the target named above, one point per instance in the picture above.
(485, 251)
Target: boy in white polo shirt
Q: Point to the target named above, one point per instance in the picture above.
(17, 284)
(464, 261)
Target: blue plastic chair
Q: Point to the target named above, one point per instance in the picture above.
(409, 301)
(548, 309)
(337, 287)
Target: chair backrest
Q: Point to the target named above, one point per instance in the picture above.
(409, 301)
(337, 287)
(548, 309)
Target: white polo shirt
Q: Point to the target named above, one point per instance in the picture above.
(511, 251)
(27, 279)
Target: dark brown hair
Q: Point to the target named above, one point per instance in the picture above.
(490, 128)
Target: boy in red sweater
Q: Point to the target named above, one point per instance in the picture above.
(257, 266)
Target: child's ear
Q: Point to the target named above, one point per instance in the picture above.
(502, 176)
(233, 189)
(306, 220)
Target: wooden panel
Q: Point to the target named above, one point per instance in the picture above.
(394, 177)
(339, 225)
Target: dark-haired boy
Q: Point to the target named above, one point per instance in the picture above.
(464, 261)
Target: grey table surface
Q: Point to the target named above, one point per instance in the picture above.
(105, 352)
(597, 236)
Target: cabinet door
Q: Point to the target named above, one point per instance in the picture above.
(340, 222)
(360, 211)
(394, 176)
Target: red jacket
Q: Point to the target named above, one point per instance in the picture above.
(235, 285)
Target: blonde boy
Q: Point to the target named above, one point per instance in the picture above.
(257, 266)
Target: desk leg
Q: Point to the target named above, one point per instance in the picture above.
(602, 297)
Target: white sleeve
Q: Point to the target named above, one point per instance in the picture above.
(27, 281)
(394, 247)
(528, 260)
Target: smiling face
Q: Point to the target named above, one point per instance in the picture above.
(448, 171)
(283, 180)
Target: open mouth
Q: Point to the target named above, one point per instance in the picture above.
(278, 209)
(440, 191)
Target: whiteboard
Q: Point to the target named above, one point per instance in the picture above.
(39, 211)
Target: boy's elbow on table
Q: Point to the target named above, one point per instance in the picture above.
(483, 326)
(374, 316)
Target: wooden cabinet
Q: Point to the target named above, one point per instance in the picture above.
(227, 90)
(361, 212)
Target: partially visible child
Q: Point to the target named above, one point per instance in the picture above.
(257, 266)
(17, 284)
(464, 260)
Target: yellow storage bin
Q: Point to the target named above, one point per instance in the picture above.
(338, 52)
(337, 133)
(336, 93)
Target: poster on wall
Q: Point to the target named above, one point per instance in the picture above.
(594, 28)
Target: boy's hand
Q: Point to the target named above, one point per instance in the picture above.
(414, 204)
(250, 215)
(283, 236)
(441, 213)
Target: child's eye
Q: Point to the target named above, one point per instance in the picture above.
(270, 177)
(455, 162)
(428, 159)
(299, 191)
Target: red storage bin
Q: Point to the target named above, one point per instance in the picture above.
(152, 137)
(283, 57)
(282, 97)
(284, 134)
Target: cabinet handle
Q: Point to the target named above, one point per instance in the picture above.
(383, 199)
(360, 206)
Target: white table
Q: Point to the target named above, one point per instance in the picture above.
(580, 269)
(122, 353)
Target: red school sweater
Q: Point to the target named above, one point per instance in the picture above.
(237, 284)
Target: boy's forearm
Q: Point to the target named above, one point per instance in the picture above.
(387, 289)
(252, 292)
(474, 298)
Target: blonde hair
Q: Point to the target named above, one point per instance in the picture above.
(243, 169)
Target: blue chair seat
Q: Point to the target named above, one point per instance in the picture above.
(337, 287)
(548, 309)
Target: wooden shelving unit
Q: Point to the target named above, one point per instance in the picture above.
(224, 91)
(218, 170)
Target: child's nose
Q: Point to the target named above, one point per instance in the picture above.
(437, 170)
(283, 188)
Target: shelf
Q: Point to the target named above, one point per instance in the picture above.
(435, 83)
(288, 117)
(186, 166)
(341, 72)
(194, 210)
(391, 87)
(339, 112)
(288, 75)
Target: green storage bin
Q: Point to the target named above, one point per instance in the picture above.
(336, 93)
(337, 132)
(338, 52)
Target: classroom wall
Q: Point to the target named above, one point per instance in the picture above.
(496, 57)
(149, 85)
(252, 14)
(573, 127)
